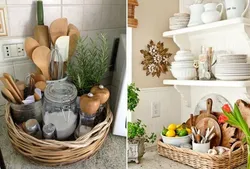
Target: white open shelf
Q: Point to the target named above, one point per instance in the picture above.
(223, 25)
(207, 83)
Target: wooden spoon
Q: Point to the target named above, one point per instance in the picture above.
(8, 95)
(41, 85)
(11, 81)
(41, 57)
(38, 77)
(30, 45)
(73, 29)
(21, 86)
(58, 27)
(11, 89)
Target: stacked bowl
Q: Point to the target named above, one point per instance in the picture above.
(182, 68)
(232, 67)
(178, 21)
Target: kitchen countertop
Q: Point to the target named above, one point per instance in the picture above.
(112, 155)
(151, 160)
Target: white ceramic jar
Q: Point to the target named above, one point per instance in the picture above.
(236, 8)
(211, 14)
(196, 11)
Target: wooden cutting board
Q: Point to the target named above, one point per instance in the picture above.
(191, 121)
(208, 113)
(208, 122)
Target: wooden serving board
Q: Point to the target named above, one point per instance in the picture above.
(244, 108)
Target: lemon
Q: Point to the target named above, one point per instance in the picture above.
(179, 126)
(189, 130)
(172, 127)
(170, 133)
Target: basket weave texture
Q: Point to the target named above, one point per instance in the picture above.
(53, 152)
(204, 161)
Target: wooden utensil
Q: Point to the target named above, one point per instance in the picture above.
(41, 85)
(41, 35)
(8, 95)
(41, 57)
(21, 86)
(208, 122)
(11, 81)
(72, 29)
(209, 110)
(72, 44)
(38, 77)
(191, 121)
(30, 45)
(58, 28)
(216, 114)
(11, 89)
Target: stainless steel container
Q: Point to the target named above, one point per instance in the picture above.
(21, 113)
(49, 131)
(33, 128)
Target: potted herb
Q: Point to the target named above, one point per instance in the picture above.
(136, 138)
(133, 97)
(89, 63)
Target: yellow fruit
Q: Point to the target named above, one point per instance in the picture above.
(170, 133)
(178, 126)
(172, 127)
(189, 130)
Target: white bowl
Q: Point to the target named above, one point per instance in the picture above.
(184, 63)
(176, 141)
(183, 58)
(183, 52)
(184, 73)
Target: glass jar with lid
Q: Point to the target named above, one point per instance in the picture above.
(59, 108)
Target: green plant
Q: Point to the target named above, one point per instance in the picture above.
(39, 9)
(133, 97)
(137, 130)
(90, 63)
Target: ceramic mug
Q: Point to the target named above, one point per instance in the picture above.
(202, 148)
(236, 8)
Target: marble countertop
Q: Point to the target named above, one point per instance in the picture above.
(112, 155)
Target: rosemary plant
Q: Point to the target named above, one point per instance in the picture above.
(90, 63)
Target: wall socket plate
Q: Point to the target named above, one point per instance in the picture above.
(155, 109)
(12, 49)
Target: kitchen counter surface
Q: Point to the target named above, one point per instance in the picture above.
(151, 160)
(112, 155)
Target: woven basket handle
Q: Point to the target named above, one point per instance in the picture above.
(232, 148)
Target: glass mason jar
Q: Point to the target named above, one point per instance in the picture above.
(59, 108)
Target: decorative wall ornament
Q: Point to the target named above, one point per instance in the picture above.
(3, 27)
(156, 59)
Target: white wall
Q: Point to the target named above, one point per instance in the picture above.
(170, 108)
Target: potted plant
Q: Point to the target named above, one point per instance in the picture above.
(136, 131)
(89, 64)
(136, 138)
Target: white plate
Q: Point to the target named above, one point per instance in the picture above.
(233, 55)
(232, 74)
(233, 65)
(232, 77)
(232, 71)
(222, 61)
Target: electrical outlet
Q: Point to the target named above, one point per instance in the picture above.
(155, 109)
(20, 49)
(6, 50)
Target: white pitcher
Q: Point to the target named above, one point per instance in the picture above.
(211, 14)
(196, 11)
(236, 8)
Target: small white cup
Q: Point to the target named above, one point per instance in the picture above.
(202, 148)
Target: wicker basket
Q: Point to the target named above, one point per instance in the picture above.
(200, 160)
(53, 152)
(132, 21)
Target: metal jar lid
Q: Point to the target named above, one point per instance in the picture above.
(60, 92)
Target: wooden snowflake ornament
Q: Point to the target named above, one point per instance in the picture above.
(156, 59)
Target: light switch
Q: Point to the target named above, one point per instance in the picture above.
(13, 50)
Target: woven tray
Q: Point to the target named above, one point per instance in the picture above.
(200, 160)
(53, 152)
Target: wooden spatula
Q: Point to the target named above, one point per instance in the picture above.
(30, 45)
(11, 81)
(58, 28)
(11, 89)
(8, 95)
(38, 77)
(41, 57)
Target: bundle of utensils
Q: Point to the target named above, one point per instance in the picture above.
(20, 92)
(178, 21)
(198, 137)
(52, 58)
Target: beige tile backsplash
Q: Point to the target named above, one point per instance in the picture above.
(90, 16)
